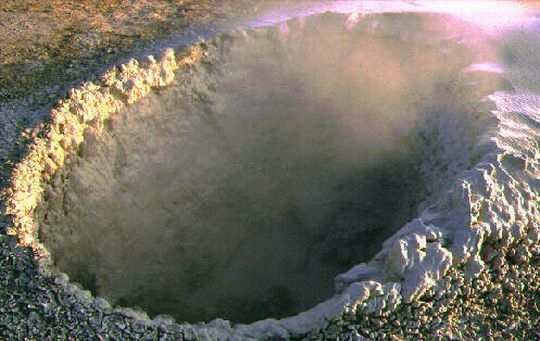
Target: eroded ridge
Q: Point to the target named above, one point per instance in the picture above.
(55, 147)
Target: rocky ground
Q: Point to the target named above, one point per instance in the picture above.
(47, 48)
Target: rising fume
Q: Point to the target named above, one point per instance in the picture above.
(283, 158)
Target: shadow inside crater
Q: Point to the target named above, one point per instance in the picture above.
(281, 160)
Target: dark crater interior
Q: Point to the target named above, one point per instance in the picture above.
(285, 157)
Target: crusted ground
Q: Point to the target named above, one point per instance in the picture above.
(45, 44)
(47, 48)
(502, 303)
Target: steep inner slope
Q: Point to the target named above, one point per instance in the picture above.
(282, 159)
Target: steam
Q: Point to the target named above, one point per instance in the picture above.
(281, 160)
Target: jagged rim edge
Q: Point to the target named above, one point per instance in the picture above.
(92, 104)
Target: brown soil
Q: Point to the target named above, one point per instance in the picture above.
(46, 43)
(49, 47)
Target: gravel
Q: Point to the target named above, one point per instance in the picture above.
(494, 296)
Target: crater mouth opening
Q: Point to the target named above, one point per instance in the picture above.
(286, 156)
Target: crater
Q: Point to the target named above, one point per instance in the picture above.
(283, 158)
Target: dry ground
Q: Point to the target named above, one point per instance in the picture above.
(49, 47)
(45, 43)
(46, 47)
